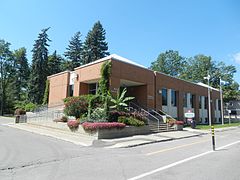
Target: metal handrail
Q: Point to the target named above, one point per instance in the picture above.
(145, 112)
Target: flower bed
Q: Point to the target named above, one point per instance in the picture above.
(73, 124)
(102, 125)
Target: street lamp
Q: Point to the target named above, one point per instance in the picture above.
(209, 102)
(209, 112)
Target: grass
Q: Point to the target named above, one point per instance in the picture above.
(203, 127)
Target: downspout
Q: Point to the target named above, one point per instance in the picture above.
(155, 90)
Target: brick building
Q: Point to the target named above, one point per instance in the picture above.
(151, 89)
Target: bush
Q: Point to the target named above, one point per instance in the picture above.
(98, 114)
(64, 119)
(113, 115)
(73, 124)
(131, 121)
(30, 107)
(102, 125)
(76, 106)
(20, 112)
(179, 122)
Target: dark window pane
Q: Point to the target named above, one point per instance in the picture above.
(185, 100)
(164, 97)
(173, 98)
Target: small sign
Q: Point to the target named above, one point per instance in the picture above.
(189, 115)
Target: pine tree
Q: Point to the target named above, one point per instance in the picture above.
(21, 74)
(39, 69)
(74, 51)
(95, 47)
(54, 63)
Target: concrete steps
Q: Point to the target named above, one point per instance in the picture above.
(163, 127)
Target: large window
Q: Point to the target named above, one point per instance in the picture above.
(92, 88)
(185, 100)
(164, 97)
(173, 98)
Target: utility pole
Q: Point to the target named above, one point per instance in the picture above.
(221, 96)
(1, 86)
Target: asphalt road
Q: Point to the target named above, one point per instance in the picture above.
(28, 156)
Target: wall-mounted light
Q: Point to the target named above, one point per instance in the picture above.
(159, 91)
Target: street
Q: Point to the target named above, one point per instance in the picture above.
(28, 156)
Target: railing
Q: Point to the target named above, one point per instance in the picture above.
(139, 108)
(45, 114)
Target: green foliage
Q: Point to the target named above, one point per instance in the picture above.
(170, 63)
(98, 115)
(39, 71)
(74, 51)
(6, 77)
(46, 93)
(54, 63)
(131, 121)
(20, 79)
(119, 102)
(195, 68)
(76, 106)
(95, 47)
(30, 107)
(103, 87)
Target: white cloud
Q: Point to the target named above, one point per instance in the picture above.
(236, 57)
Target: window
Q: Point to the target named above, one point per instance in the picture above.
(200, 102)
(185, 100)
(219, 105)
(164, 97)
(173, 98)
(70, 92)
(205, 102)
(92, 88)
(192, 101)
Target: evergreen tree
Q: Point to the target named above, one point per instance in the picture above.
(6, 73)
(74, 51)
(170, 63)
(95, 47)
(39, 69)
(21, 74)
(54, 63)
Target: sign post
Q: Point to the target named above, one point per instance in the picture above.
(213, 138)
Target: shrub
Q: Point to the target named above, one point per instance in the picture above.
(102, 125)
(76, 106)
(179, 122)
(64, 119)
(73, 124)
(30, 107)
(20, 112)
(113, 115)
(98, 114)
(131, 121)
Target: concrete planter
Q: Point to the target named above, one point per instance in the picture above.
(118, 133)
(100, 133)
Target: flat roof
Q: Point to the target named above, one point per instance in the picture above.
(125, 60)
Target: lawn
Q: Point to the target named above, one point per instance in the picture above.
(218, 125)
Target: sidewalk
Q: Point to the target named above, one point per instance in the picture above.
(84, 140)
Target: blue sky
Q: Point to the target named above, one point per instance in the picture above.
(136, 29)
